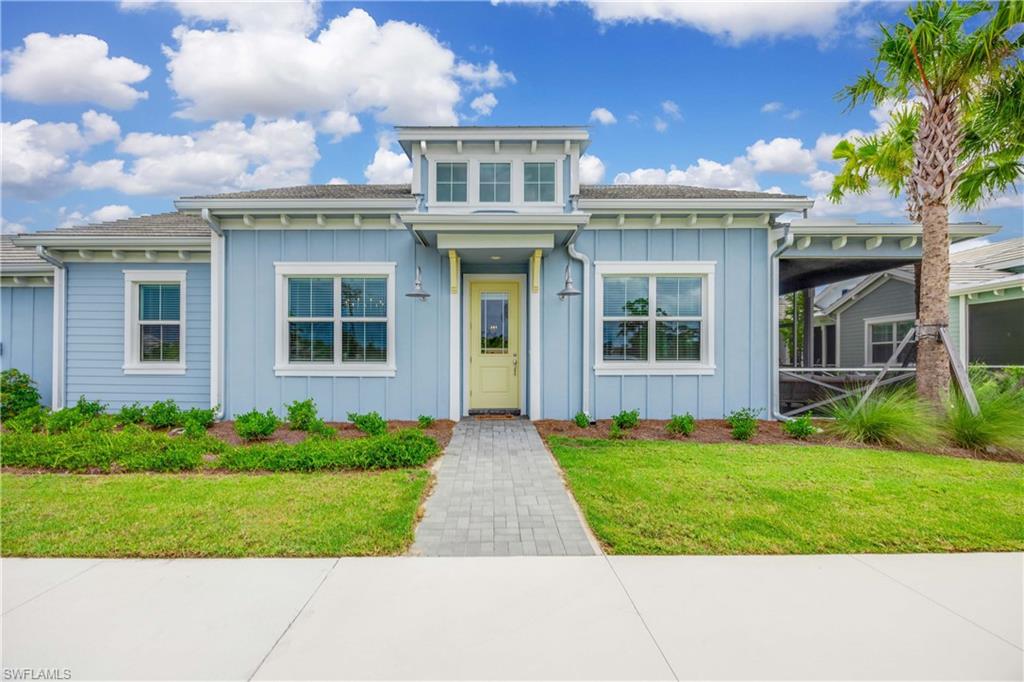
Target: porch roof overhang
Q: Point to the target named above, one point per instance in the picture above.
(481, 236)
(823, 252)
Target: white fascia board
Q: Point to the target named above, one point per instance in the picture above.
(697, 205)
(128, 243)
(1001, 283)
(26, 269)
(495, 240)
(295, 206)
(414, 134)
(495, 219)
(959, 231)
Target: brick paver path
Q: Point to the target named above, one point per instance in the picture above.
(499, 493)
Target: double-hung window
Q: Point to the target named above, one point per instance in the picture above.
(655, 318)
(335, 319)
(538, 181)
(451, 182)
(154, 333)
(883, 336)
(495, 182)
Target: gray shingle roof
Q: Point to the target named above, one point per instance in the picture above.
(319, 192)
(673, 192)
(1003, 255)
(171, 224)
(18, 255)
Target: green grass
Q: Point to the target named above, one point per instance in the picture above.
(647, 497)
(171, 515)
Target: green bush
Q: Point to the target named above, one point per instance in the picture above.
(163, 414)
(89, 408)
(615, 431)
(425, 421)
(800, 428)
(256, 425)
(405, 448)
(302, 415)
(30, 419)
(893, 418)
(999, 423)
(18, 393)
(683, 424)
(131, 414)
(626, 420)
(581, 420)
(203, 416)
(371, 423)
(743, 423)
(64, 420)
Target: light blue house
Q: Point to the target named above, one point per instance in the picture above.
(494, 280)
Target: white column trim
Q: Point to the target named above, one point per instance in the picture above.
(59, 333)
(217, 322)
(534, 343)
(454, 340)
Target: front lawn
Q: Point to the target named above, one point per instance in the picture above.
(646, 497)
(174, 515)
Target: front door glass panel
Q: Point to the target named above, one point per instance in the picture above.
(494, 323)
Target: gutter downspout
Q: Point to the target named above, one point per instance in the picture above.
(59, 298)
(585, 286)
(773, 286)
(217, 259)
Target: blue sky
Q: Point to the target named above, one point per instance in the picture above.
(114, 109)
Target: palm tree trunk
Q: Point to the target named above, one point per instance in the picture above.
(932, 359)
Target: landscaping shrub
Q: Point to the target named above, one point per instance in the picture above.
(30, 419)
(615, 431)
(89, 408)
(163, 414)
(581, 419)
(743, 423)
(626, 420)
(800, 428)
(131, 414)
(64, 420)
(18, 393)
(405, 448)
(370, 423)
(302, 415)
(999, 423)
(425, 421)
(893, 418)
(681, 424)
(256, 425)
(197, 420)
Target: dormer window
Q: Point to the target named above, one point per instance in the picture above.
(538, 181)
(451, 182)
(495, 182)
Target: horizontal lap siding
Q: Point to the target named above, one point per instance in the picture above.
(95, 338)
(894, 297)
(742, 323)
(26, 334)
(420, 385)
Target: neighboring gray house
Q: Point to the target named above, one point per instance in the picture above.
(494, 280)
(868, 316)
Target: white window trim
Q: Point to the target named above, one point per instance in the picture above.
(703, 269)
(133, 363)
(284, 368)
(884, 319)
(516, 194)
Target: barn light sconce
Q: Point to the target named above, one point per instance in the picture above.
(418, 292)
(570, 288)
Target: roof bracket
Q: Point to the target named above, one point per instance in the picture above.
(803, 243)
(873, 243)
(908, 243)
(839, 243)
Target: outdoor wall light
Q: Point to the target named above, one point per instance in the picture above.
(570, 289)
(417, 288)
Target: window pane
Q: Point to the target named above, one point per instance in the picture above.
(444, 191)
(881, 352)
(364, 297)
(494, 182)
(902, 328)
(458, 192)
(487, 172)
(677, 341)
(311, 341)
(459, 173)
(503, 192)
(539, 181)
(530, 173)
(678, 296)
(503, 172)
(364, 342)
(881, 333)
(547, 192)
(160, 342)
(494, 323)
(159, 302)
(451, 182)
(625, 296)
(310, 297)
(625, 341)
(531, 193)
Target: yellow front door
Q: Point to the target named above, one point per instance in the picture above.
(494, 366)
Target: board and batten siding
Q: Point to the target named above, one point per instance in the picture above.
(420, 385)
(26, 334)
(95, 338)
(742, 323)
(892, 297)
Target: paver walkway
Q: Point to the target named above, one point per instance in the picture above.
(499, 493)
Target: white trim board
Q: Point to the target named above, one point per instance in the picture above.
(133, 364)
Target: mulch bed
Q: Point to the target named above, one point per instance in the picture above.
(440, 430)
(768, 433)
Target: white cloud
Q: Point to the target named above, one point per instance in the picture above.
(771, 107)
(591, 169)
(792, 114)
(660, 124)
(100, 215)
(226, 156)
(99, 128)
(337, 181)
(739, 174)
(340, 124)
(71, 68)
(876, 200)
(484, 104)
(602, 116)
(398, 71)
(735, 22)
(820, 181)
(254, 15)
(7, 227)
(388, 167)
(781, 155)
(671, 109)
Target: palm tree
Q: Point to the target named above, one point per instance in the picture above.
(957, 137)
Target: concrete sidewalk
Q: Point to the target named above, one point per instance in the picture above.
(815, 617)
